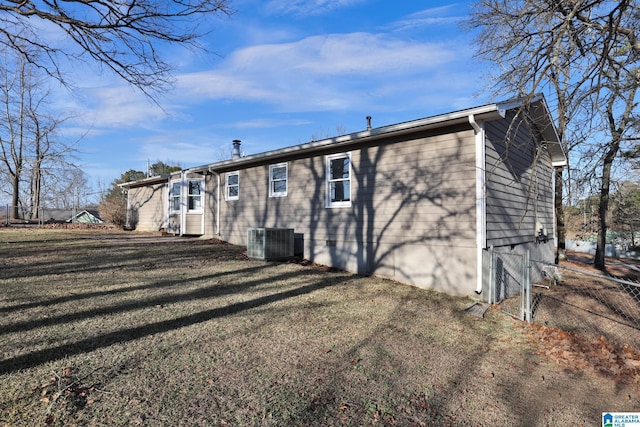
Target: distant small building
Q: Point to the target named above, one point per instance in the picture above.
(87, 216)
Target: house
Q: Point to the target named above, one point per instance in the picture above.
(54, 215)
(419, 202)
(86, 216)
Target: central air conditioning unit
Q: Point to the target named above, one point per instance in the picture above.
(270, 243)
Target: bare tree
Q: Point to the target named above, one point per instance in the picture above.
(46, 152)
(626, 212)
(122, 35)
(66, 186)
(585, 53)
(29, 147)
(12, 128)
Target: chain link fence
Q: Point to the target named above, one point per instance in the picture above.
(572, 299)
(508, 287)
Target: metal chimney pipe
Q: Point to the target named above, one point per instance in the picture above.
(236, 150)
(368, 122)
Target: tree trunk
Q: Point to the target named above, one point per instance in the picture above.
(15, 211)
(35, 191)
(36, 174)
(603, 207)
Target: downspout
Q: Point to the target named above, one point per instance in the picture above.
(203, 202)
(183, 205)
(217, 201)
(481, 201)
(167, 205)
(128, 211)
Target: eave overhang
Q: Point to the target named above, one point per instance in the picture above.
(144, 182)
(539, 113)
(489, 112)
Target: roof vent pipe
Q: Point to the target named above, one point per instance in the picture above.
(236, 150)
(368, 122)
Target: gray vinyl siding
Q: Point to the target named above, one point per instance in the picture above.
(412, 216)
(519, 190)
(414, 196)
(147, 207)
(210, 203)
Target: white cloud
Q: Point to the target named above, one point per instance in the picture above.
(315, 73)
(114, 107)
(307, 7)
(269, 123)
(443, 15)
(318, 72)
(340, 54)
(166, 149)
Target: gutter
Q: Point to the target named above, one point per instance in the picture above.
(183, 205)
(481, 200)
(145, 181)
(128, 212)
(493, 111)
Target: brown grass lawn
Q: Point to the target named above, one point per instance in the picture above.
(103, 328)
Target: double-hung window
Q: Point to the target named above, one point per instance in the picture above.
(174, 196)
(339, 180)
(278, 180)
(232, 185)
(194, 197)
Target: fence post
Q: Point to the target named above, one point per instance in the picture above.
(491, 276)
(523, 288)
(527, 283)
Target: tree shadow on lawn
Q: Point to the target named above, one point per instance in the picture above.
(36, 358)
(397, 374)
(214, 290)
(120, 290)
(93, 256)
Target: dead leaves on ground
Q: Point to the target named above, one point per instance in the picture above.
(580, 353)
(68, 386)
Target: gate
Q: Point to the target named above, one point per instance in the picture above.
(509, 278)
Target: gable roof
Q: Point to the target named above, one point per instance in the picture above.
(69, 215)
(536, 109)
(87, 215)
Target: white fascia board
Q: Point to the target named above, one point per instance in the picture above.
(458, 117)
(145, 181)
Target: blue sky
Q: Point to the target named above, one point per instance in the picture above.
(283, 72)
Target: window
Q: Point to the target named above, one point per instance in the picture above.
(195, 189)
(339, 180)
(278, 180)
(174, 196)
(194, 202)
(232, 186)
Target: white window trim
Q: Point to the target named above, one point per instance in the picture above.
(226, 185)
(329, 203)
(172, 196)
(201, 195)
(286, 180)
